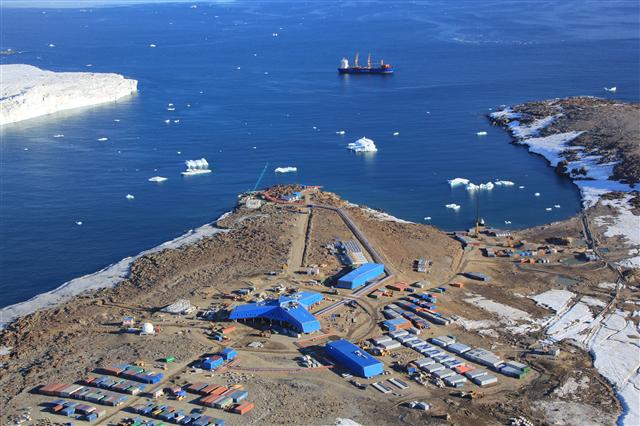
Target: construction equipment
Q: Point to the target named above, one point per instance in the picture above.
(260, 178)
(468, 395)
(265, 333)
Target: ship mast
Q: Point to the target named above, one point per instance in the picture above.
(369, 61)
(356, 61)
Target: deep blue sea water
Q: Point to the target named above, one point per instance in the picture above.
(455, 61)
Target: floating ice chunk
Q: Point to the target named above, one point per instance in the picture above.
(288, 169)
(157, 179)
(26, 149)
(363, 145)
(254, 147)
(507, 222)
(152, 45)
(194, 6)
(170, 104)
(340, 132)
(548, 209)
(79, 223)
(196, 167)
(171, 109)
(315, 128)
(59, 135)
(238, 68)
(611, 89)
(266, 72)
(51, 45)
(89, 65)
(167, 121)
(452, 206)
(117, 120)
(274, 34)
(537, 194)
(427, 218)
(481, 133)
(504, 183)
(458, 181)
(483, 186)
(129, 197)
(176, 121)
(179, 152)
(103, 139)
(557, 206)
(521, 187)
(396, 133)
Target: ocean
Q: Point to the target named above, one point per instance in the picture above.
(255, 82)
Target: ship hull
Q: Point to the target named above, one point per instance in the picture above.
(365, 71)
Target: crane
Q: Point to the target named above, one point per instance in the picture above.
(260, 178)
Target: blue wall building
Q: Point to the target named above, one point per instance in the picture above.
(359, 276)
(352, 358)
(289, 310)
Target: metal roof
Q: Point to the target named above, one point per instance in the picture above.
(362, 271)
(291, 309)
(354, 353)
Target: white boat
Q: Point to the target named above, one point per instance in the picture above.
(196, 167)
(157, 179)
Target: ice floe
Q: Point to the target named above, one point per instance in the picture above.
(396, 133)
(196, 167)
(504, 183)
(458, 182)
(79, 223)
(362, 145)
(483, 133)
(452, 206)
(60, 135)
(287, 169)
(340, 132)
(130, 197)
(157, 179)
(103, 139)
(536, 194)
(611, 89)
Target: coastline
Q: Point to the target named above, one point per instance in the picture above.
(108, 277)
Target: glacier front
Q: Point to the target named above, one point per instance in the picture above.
(28, 92)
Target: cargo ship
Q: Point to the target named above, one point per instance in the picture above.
(346, 68)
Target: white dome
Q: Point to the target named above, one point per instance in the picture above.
(147, 328)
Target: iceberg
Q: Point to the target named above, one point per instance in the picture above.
(504, 183)
(340, 132)
(363, 145)
(28, 92)
(129, 197)
(396, 133)
(481, 133)
(58, 136)
(103, 139)
(537, 194)
(157, 179)
(458, 182)
(611, 89)
(483, 186)
(453, 206)
(286, 169)
(196, 167)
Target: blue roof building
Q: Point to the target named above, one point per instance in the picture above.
(359, 276)
(352, 358)
(291, 310)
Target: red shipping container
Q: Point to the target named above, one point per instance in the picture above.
(219, 391)
(243, 408)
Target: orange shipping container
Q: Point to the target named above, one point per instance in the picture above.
(464, 368)
(209, 389)
(228, 330)
(458, 285)
(243, 408)
(219, 391)
(207, 399)
(400, 286)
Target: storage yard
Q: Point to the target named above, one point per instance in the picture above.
(313, 305)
